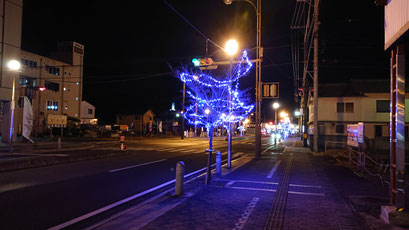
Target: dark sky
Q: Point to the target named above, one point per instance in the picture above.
(129, 45)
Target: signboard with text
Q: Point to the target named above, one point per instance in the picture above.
(54, 120)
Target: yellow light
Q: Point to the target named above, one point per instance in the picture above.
(246, 121)
(13, 65)
(195, 77)
(207, 111)
(231, 47)
(283, 114)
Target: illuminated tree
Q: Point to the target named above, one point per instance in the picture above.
(214, 102)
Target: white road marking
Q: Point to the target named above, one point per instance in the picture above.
(270, 175)
(138, 165)
(307, 193)
(103, 209)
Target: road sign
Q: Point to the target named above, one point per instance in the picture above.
(270, 90)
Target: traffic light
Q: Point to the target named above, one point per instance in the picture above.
(200, 62)
(196, 62)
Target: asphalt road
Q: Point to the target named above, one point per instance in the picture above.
(41, 198)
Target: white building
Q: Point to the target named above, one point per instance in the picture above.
(341, 104)
(88, 114)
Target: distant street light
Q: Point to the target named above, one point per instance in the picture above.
(207, 111)
(276, 105)
(14, 66)
(283, 114)
(231, 47)
(297, 113)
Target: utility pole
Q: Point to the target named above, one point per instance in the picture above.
(316, 25)
(258, 84)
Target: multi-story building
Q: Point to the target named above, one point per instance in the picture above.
(60, 75)
(340, 104)
(61, 82)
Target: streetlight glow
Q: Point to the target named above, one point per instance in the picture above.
(231, 47)
(207, 111)
(283, 114)
(13, 65)
(276, 105)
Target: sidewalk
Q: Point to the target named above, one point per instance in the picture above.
(287, 190)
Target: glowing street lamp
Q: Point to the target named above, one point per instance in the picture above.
(14, 66)
(276, 105)
(283, 114)
(207, 111)
(231, 47)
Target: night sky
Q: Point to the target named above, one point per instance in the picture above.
(129, 45)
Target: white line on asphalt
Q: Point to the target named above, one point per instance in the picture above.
(274, 183)
(138, 165)
(307, 193)
(274, 169)
(103, 209)
(268, 149)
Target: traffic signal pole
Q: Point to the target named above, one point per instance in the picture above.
(183, 110)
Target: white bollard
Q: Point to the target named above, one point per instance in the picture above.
(180, 171)
(59, 143)
(218, 163)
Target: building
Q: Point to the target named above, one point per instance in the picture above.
(60, 75)
(138, 123)
(10, 45)
(88, 114)
(340, 104)
(62, 81)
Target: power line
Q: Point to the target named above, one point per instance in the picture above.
(191, 25)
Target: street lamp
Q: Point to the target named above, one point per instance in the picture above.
(14, 66)
(231, 48)
(259, 55)
(275, 107)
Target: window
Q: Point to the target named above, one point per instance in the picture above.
(89, 111)
(28, 63)
(383, 106)
(52, 86)
(340, 107)
(339, 128)
(27, 81)
(378, 130)
(349, 107)
(52, 70)
(52, 105)
(345, 107)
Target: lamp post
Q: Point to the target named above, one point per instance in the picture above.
(14, 66)
(259, 55)
(275, 107)
(231, 48)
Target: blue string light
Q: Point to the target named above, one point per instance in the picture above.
(208, 94)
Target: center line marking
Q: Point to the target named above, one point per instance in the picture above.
(134, 166)
(270, 175)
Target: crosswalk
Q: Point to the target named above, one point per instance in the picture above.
(173, 149)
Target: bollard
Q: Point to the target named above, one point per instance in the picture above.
(180, 171)
(59, 143)
(218, 163)
(122, 140)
